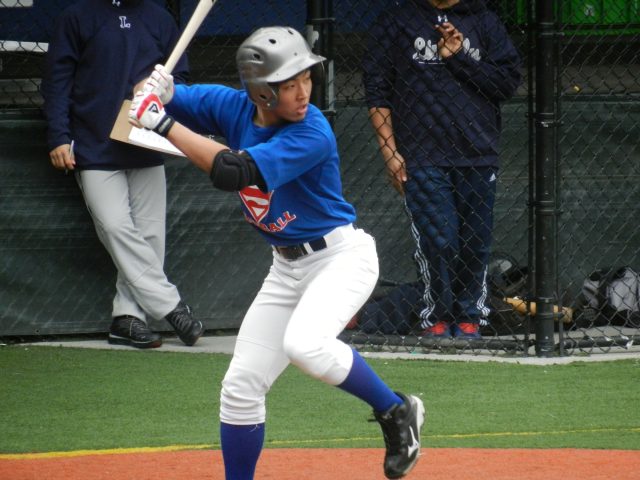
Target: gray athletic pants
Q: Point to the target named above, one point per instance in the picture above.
(128, 208)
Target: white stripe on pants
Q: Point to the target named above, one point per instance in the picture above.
(128, 208)
(302, 307)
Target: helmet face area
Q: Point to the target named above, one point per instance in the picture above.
(272, 55)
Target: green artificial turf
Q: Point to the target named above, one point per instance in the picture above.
(63, 399)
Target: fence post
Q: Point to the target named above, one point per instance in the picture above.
(546, 124)
(319, 33)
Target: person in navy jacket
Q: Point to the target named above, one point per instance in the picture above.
(99, 51)
(435, 73)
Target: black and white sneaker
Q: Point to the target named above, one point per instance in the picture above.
(128, 330)
(188, 329)
(401, 426)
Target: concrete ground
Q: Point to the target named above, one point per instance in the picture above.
(225, 343)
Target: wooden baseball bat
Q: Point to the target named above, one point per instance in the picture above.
(520, 306)
(122, 128)
(199, 14)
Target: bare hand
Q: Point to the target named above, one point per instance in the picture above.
(62, 157)
(451, 41)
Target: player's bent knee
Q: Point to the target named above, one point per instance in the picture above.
(301, 351)
(242, 399)
(328, 360)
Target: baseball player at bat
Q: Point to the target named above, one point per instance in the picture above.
(282, 162)
(98, 51)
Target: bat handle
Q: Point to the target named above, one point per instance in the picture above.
(172, 61)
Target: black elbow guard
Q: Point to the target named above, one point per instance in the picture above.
(233, 171)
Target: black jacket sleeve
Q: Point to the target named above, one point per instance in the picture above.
(498, 74)
(60, 66)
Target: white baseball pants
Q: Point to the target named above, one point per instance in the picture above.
(302, 307)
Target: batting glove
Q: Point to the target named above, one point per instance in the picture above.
(161, 83)
(148, 111)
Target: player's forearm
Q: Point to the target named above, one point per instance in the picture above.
(199, 149)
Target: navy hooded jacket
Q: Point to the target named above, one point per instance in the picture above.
(98, 51)
(445, 112)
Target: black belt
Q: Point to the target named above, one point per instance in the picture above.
(293, 252)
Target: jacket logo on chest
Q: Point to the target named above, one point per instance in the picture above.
(123, 22)
(427, 51)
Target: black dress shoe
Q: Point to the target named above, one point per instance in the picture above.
(128, 330)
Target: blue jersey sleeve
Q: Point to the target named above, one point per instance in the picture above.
(207, 109)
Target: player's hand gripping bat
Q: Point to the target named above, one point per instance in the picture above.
(121, 127)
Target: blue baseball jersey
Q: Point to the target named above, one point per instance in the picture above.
(299, 162)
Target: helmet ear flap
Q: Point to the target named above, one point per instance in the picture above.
(263, 94)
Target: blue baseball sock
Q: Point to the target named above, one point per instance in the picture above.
(365, 384)
(241, 447)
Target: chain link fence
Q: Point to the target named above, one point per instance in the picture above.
(594, 156)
